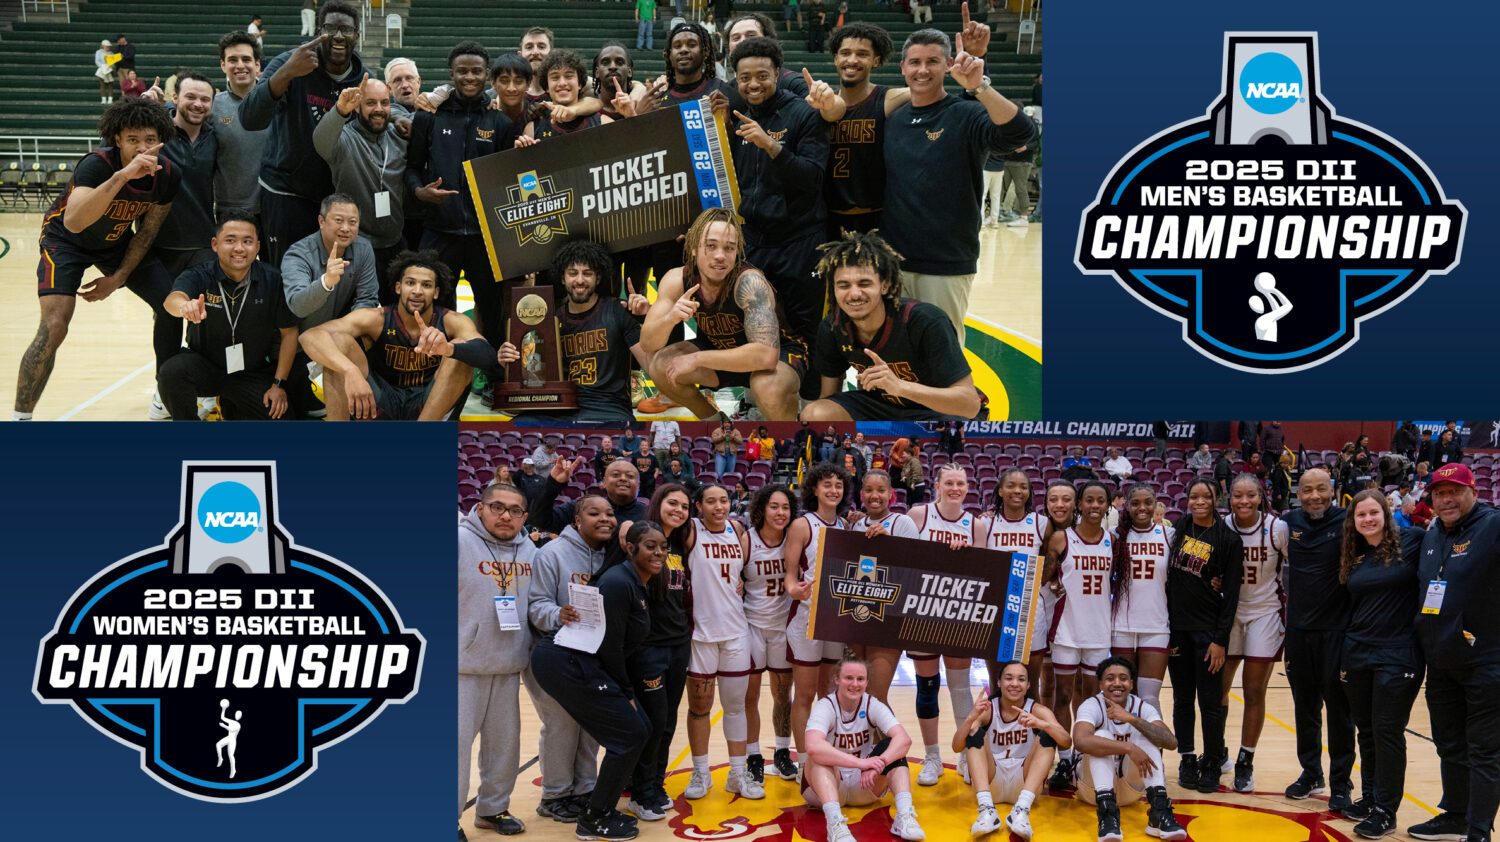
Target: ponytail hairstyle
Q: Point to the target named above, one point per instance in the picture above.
(1000, 496)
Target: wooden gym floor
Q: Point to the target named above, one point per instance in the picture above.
(947, 810)
(104, 370)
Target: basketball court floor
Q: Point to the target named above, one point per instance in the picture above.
(104, 370)
(947, 810)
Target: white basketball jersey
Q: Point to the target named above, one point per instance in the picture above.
(1095, 712)
(766, 600)
(716, 565)
(1143, 607)
(1085, 619)
(809, 558)
(1017, 536)
(851, 733)
(1009, 741)
(940, 529)
(1265, 550)
(896, 523)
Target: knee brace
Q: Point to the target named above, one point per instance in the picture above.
(927, 696)
(959, 694)
(732, 697)
(880, 748)
(976, 739)
(1045, 740)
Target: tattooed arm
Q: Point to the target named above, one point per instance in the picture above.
(1157, 732)
(755, 297)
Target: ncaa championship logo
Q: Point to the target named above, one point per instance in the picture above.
(229, 655)
(1270, 227)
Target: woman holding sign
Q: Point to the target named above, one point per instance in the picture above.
(878, 519)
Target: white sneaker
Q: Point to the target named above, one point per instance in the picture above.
(905, 826)
(963, 767)
(645, 812)
(157, 411)
(744, 786)
(1019, 821)
(988, 820)
(932, 769)
(1018, 222)
(838, 831)
(206, 407)
(698, 786)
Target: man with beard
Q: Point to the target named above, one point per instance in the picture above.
(389, 363)
(910, 365)
(593, 331)
(460, 129)
(756, 25)
(193, 146)
(236, 316)
(779, 161)
(740, 340)
(297, 89)
(620, 481)
(237, 166)
(536, 43)
(368, 162)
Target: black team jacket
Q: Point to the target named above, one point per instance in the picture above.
(781, 198)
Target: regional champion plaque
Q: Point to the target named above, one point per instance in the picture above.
(535, 381)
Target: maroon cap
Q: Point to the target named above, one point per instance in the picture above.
(1452, 473)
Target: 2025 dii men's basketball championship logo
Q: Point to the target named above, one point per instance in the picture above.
(1270, 228)
(228, 656)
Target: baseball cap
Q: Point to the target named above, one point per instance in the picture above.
(1455, 472)
(528, 461)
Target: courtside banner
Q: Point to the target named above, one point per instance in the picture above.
(902, 593)
(631, 183)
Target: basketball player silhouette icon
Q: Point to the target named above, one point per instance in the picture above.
(1280, 305)
(231, 739)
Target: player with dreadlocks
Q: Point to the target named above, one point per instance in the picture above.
(740, 340)
(909, 363)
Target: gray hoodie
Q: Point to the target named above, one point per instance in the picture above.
(562, 561)
(487, 568)
(364, 163)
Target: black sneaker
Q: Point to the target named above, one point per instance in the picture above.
(606, 826)
(502, 823)
(1376, 825)
(1244, 772)
(1478, 836)
(1109, 817)
(1210, 769)
(756, 766)
(1187, 772)
(462, 837)
(1357, 811)
(659, 799)
(1062, 776)
(1160, 820)
(1444, 827)
(1339, 802)
(784, 765)
(559, 809)
(1311, 783)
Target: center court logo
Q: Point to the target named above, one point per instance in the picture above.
(229, 630)
(1270, 228)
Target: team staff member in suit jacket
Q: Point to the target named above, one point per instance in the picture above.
(1205, 548)
(596, 689)
(1382, 666)
(495, 560)
(1460, 635)
(1317, 613)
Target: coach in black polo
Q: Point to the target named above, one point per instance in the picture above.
(236, 309)
(1459, 630)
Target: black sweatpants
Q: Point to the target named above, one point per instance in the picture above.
(284, 220)
(1191, 679)
(189, 374)
(601, 707)
(676, 685)
(648, 667)
(789, 266)
(1312, 668)
(1382, 684)
(1464, 707)
(465, 254)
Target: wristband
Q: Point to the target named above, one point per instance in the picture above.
(475, 352)
(323, 282)
(278, 382)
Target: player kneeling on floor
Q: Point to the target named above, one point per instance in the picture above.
(1010, 743)
(846, 766)
(1120, 739)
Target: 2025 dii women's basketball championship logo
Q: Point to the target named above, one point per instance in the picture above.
(228, 656)
(1270, 228)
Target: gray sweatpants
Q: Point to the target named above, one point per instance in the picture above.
(570, 757)
(489, 708)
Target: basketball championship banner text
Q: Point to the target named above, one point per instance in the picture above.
(902, 593)
(632, 183)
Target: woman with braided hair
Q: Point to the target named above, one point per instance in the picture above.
(909, 363)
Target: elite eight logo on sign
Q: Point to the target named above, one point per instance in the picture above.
(1270, 228)
(228, 656)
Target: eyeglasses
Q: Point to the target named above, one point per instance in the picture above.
(335, 31)
(497, 508)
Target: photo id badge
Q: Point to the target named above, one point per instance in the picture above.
(383, 204)
(234, 358)
(505, 612)
(1434, 600)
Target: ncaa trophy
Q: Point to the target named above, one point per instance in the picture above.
(535, 381)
